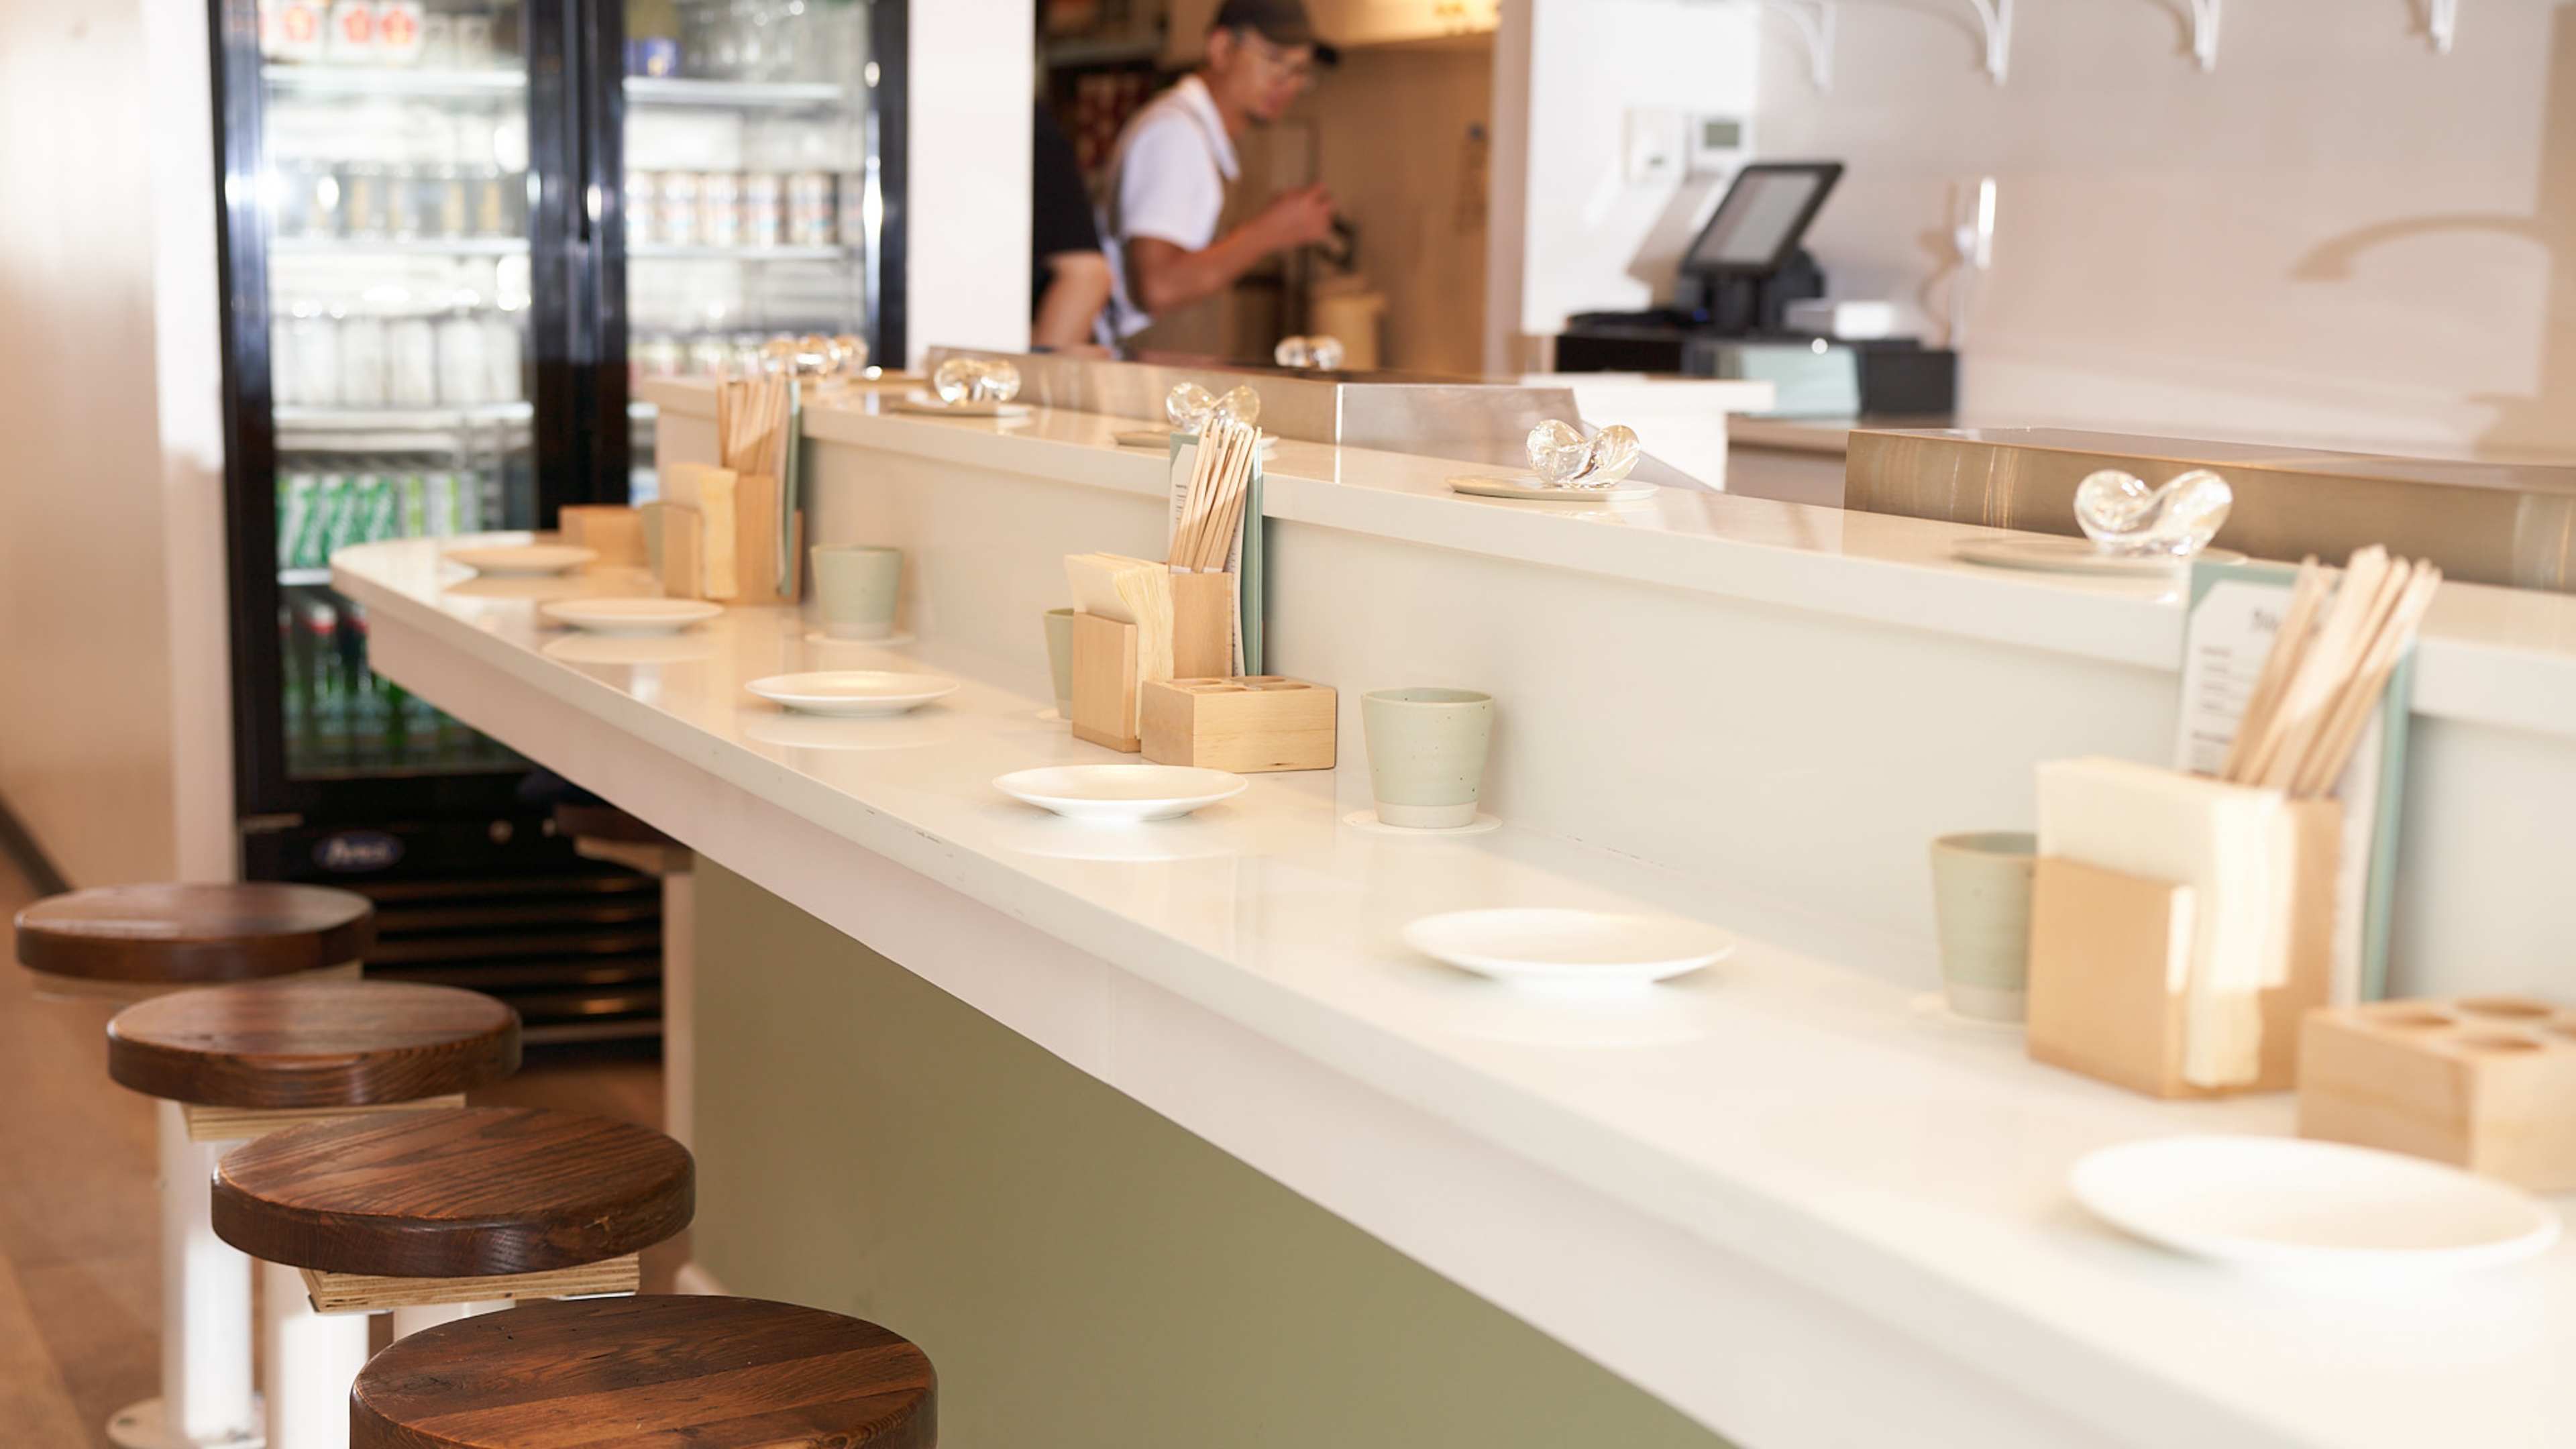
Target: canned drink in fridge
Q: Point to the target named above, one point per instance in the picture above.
(307, 372)
(679, 208)
(411, 362)
(294, 505)
(473, 42)
(321, 515)
(659, 356)
(503, 382)
(398, 27)
(854, 204)
(292, 30)
(443, 208)
(764, 210)
(438, 504)
(709, 356)
(308, 199)
(363, 211)
(402, 201)
(809, 209)
(488, 192)
(352, 39)
(720, 208)
(464, 376)
(643, 208)
(362, 361)
(438, 41)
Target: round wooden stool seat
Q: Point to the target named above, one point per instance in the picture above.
(580, 820)
(194, 935)
(465, 1192)
(622, 1373)
(299, 1044)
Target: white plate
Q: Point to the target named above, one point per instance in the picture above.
(521, 558)
(2049, 554)
(1533, 491)
(628, 649)
(2279, 1202)
(1570, 948)
(922, 402)
(852, 691)
(630, 616)
(1120, 793)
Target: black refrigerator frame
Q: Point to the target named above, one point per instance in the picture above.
(579, 425)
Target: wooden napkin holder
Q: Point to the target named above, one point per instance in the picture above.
(2109, 953)
(1247, 725)
(756, 504)
(1108, 666)
(613, 531)
(2484, 1083)
(675, 543)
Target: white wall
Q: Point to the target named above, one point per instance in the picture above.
(112, 749)
(972, 88)
(2338, 234)
(1570, 233)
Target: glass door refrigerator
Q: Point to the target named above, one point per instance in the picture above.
(427, 228)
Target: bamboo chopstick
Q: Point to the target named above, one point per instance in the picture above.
(2332, 751)
(2287, 646)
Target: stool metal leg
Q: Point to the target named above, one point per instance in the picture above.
(206, 1399)
(312, 1360)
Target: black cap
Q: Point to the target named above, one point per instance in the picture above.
(1281, 22)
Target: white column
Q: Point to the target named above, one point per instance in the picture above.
(971, 83)
(408, 1321)
(205, 1302)
(312, 1360)
(679, 1007)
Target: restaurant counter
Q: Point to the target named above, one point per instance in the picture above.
(1784, 1197)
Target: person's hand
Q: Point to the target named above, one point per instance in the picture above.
(1299, 218)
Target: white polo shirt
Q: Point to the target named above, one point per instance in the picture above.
(1167, 181)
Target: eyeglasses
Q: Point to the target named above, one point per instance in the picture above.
(1276, 57)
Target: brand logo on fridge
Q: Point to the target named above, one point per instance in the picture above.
(357, 850)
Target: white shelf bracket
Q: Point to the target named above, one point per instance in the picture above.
(1997, 17)
(2442, 22)
(2204, 32)
(1814, 20)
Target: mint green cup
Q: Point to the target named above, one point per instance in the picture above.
(1426, 754)
(855, 586)
(1981, 906)
(1059, 637)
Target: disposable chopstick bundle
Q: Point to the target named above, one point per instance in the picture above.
(1209, 513)
(2329, 664)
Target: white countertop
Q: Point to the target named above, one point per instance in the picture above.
(1870, 1154)
(2489, 655)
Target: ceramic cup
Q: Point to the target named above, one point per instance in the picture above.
(855, 585)
(1426, 754)
(1059, 636)
(1981, 903)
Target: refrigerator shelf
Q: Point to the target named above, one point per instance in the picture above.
(737, 95)
(427, 246)
(298, 578)
(370, 82)
(664, 252)
(401, 420)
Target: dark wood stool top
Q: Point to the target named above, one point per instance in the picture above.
(464, 1192)
(580, 821)
(623, 1373)
(194, 934)
(296, 1044)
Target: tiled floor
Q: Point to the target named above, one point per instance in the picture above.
(79, 1281)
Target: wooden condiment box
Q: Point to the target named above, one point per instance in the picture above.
(2484, 1083)
(1244, 724)
(1108, 667)
(2109, 953)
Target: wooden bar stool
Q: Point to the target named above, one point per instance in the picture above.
(245, 1061)
(132, 942)
(453, 1209)
(710, 1373)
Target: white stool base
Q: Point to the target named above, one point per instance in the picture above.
(408, 1321)
(312, 1360)
(143, 1425)
(206, 1396)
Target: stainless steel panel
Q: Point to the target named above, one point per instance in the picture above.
(2490, 523)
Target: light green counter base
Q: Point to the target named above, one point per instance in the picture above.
(1083, 1273)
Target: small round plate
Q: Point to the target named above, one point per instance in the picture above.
(2048, 553)
(1121, 794)
(630, 616)
(1367, 820)
(521, 558)
(1555, 947)
(852, 692)
(1530, 490)
(2318, 1207)
(925, 404)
